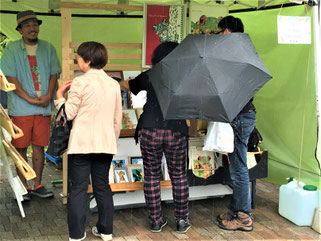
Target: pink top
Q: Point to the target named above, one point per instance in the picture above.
(94, 105)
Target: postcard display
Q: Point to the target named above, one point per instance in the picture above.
(8, 154)
(126, 172)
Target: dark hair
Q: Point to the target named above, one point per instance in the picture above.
(231, 23)
(95, 53)
(162, 50)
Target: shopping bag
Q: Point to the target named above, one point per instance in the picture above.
(219, 138)
(58, 142)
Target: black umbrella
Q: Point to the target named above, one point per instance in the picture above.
(208, 77)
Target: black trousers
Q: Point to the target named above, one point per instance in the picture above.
(79, 168)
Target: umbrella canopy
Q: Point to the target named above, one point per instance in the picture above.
(208, 77)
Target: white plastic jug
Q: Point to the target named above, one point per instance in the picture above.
(298, 202)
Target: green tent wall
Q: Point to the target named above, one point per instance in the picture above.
(286, 105)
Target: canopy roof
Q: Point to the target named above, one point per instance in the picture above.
(54, 5)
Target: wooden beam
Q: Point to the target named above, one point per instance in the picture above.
(75, 45)
(116, 56)
(65, 42)
(115, 7)
(113, 67)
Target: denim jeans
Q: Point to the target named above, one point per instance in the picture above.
(242, 125)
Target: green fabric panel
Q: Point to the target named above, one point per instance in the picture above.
(50, 29)
(286, 105)
(279, 174)
(281, 104)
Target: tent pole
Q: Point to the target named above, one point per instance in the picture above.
(317, 52)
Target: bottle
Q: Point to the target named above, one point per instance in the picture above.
(297, 202)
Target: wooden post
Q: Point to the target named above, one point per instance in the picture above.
(66, 38)
(64, 177)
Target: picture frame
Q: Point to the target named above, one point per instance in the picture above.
(158, 19)
(121, 175)
(135, 173)
(139, 112)
(111, 177)
(117, 75)
(204, 19)
(119, 162)
(202, 162)
(136, 160)
(130, 74)
(129, 120)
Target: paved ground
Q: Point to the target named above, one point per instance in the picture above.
(46, 218)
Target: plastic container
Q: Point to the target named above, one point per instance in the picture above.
(298, 202)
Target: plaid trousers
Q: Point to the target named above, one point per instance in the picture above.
(153, 143)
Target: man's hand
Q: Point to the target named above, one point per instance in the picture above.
(44, 100)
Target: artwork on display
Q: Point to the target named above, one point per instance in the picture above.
(111, 174)
(139, 100)
(121, 175)
(129, 119)
(117, 75)
(162, 23)
(204, 19)
(119, 162)
(139, 111)
(136, 160)
(202, 162)
(135, 173)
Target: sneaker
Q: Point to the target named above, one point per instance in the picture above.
(27, 196)
(241, 221)
(183, 226)
(77, 239)
(225, 216)
(42, 192)
(156, 228)
(104, 237)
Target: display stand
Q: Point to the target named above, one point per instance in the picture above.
(7, 128)
(127, 146)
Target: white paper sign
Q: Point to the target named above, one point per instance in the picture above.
(294, 30)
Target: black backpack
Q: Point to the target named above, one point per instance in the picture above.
(254, 141)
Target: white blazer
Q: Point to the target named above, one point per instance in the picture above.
(94, 105)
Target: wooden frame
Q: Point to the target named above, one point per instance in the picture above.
(4, 84)
(8, 125)
(135, 177)
(157, 25)
(203, 19)
(21, 164)
(68, 67)
(121, 175)
(68, 54)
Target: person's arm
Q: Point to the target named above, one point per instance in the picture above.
(21, 92)
(45, 99)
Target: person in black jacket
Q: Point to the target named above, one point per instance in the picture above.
(239, 215)
(158, 136)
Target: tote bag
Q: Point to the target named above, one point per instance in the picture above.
(58, 142)
(219, 138)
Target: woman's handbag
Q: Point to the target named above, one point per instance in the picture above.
(219, 138)
(60, 132)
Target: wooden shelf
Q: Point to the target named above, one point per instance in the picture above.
(132, 186)
(127, 132)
